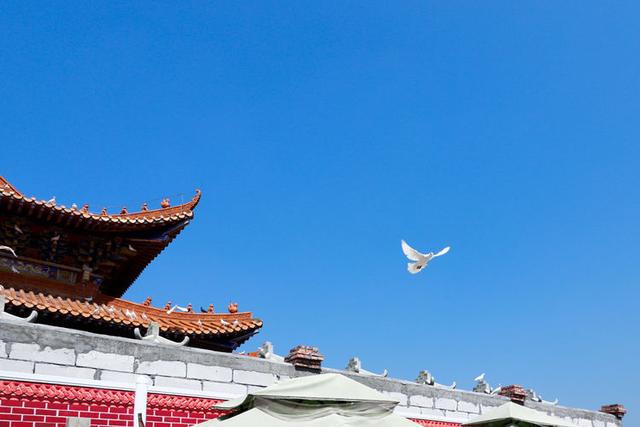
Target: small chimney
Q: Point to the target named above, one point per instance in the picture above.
(305, 357)
(616, 410)
(515, 392)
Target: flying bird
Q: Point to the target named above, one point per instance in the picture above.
(421, 260)
(479, 377)
(8, 249)
(177, 307)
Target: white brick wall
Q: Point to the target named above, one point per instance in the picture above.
(400, 397)
(213, 373)
(118, 377)
(3, 349)
(64, 371)
(583, 423)
(177, 383)
(448, 404)
(422, 401)
(253, 378)
(16, 366)
(226, 388)
(114, 362)
(468, 407)
(161, 367)
(62, 356)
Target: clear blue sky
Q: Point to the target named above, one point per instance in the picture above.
(321, 133)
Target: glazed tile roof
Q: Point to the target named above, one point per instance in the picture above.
(13, 201)
(204, 329)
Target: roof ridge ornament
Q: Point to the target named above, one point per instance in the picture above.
(10, 317)
(425, 377)
(355, 365)
(153, 336)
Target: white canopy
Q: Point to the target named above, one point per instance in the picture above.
(326, 400)
(515, 412)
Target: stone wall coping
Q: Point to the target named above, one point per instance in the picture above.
(245, 369)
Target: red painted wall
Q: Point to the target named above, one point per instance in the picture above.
(24, 404)
(48, 405)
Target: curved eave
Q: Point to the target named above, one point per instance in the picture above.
(201, 327)
(14, 202)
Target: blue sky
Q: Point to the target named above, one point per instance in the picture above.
(321, 133)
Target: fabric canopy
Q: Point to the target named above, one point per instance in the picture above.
(518, 413)
(326, 400)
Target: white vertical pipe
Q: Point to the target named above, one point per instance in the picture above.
(140, 403)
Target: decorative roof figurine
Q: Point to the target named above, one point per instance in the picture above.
(124, 211)
(153, 336)
(233, 307)
(10, 317)
(483, 387)
(425, 377)
(144, 207)
(265, 351)
(147, 302)
(532, 395)
(165, 203)
(355, 365)
(85, 208)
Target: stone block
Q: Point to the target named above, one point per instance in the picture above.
(225, 388)
(211, 373)
(407, 411)
(456, 414)
(22, 366)
(162, 367)
(173, 382)
(432, 411)
(612, 424)
(78, 422)
(111, 361)
(598, 423)
(62, 356)
(254, 388)
(64, 371)
(253, 377)
(466, 406)
(400, 397)
(486, 408)
(422, 401)
(582, 422)
(447, 404)
(118, 377)
(3, 349)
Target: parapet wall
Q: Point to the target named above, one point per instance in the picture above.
(39, 353)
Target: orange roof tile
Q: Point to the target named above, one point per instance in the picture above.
(200, 327)
(12, 201)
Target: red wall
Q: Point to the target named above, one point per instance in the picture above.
(24, 404)
(47, 405)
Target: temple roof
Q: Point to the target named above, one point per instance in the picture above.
(90, 310)
(147, 232)
(12, 200)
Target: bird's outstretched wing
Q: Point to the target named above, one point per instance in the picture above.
(442, 252)
(411, 253)
(8, 249)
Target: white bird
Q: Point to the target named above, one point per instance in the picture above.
(18, 229)
(55, 238)
(14, 269)
(479, 377)
(52, 201)
(8, 249)
(421, 260)
(224, 322)
(132, 249)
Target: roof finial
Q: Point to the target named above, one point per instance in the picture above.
(165, 203)
(103, 212)
(147, 301)
(144, 207)
(85, 208)
(123, 211)
(167, 306)
(189, 308)
(233, 307)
